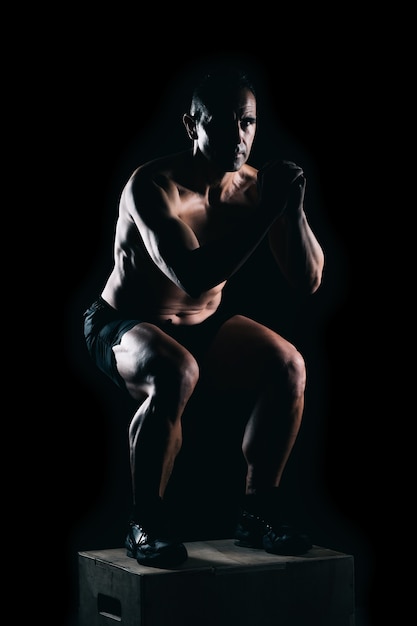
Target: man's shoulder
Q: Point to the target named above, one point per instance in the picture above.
(163, 165)
(246, 179)
(248, 172)
(161, 170)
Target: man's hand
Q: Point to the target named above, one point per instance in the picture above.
(281, 186)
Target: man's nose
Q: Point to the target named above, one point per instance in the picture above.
(234, 131)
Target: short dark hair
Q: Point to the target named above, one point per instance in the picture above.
(218, 85)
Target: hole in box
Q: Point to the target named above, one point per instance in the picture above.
(109, 607)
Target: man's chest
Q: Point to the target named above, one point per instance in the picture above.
(210, 221)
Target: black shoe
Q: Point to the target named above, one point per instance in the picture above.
(149, 550)
(254, 532)
(250, 531)
(287, 541)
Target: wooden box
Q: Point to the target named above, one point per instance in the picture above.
(219, 585)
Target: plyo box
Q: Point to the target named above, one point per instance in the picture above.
(219, 585)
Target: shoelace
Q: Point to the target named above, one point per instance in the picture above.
(139, 536)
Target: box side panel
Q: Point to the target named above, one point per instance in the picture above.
(109, 595)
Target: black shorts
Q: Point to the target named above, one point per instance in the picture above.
(104, 328)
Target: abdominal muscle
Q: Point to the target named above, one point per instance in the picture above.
(187, 311)
(159, 300)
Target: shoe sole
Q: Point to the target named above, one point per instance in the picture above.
(170, 557)
(247, 544)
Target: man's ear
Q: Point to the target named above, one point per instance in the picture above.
(189, 123)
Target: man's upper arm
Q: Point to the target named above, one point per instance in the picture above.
(168, 240)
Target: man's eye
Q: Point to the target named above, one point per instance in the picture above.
(248, 122)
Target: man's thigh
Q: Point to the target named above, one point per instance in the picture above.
(240, 353)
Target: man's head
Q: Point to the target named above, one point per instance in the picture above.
(222, 117)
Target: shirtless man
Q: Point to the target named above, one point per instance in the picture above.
(187, 222)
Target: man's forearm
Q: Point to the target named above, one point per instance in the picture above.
(207, 266)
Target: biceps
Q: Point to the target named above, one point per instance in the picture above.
(169, 244)
(167, 239)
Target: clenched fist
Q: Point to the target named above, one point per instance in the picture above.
(281, 186)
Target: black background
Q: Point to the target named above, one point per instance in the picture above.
(114, 101)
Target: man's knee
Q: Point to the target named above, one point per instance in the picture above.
(176, 370)
(290, 368)
(189, 370)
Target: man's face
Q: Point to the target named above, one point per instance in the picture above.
(226, 132)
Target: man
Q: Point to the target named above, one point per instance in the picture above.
(187, 222)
